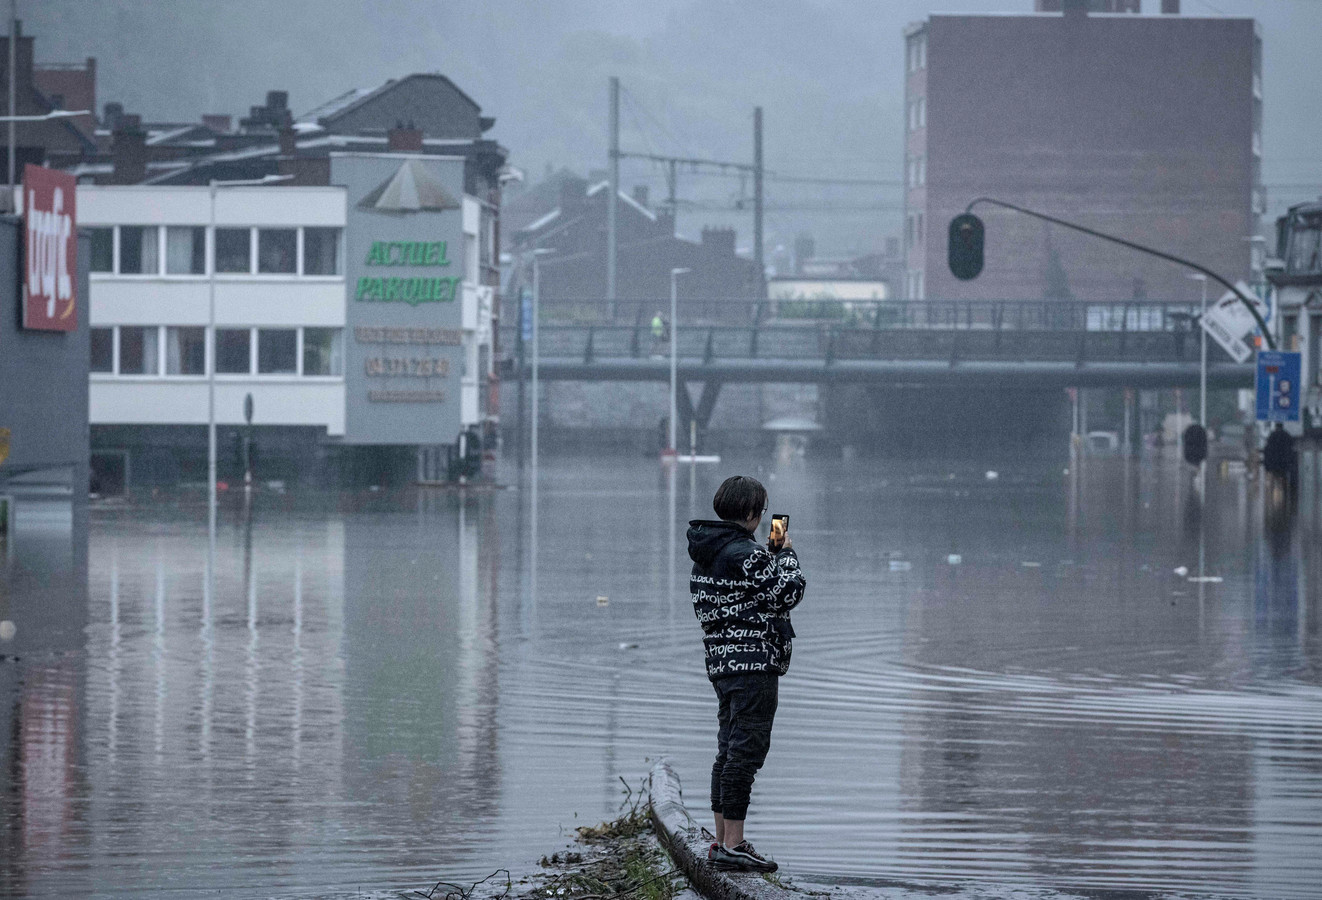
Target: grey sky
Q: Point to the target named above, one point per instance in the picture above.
(829, 75)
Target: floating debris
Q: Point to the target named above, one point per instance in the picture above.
(900, 565)
(7, 630)
(1181, 571)
(954, 559)
(603, 600)
(626, 645)
(1206, 579)
(992, 474)
(1031, 565)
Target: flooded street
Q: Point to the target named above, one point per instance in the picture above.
(994, 682)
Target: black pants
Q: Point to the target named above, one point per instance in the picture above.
(747, 709)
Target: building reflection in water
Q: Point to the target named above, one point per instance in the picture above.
(320, 741)
(43, 590)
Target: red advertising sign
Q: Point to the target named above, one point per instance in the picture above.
(50, 283)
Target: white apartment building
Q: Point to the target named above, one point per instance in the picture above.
(269, 262)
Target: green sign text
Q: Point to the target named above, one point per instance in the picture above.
(407, 253)
(407, 290)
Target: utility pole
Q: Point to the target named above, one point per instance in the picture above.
(672, 194)
(13, 93)
(757, 191)
(613, 195)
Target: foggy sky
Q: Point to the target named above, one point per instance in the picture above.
(829, 75)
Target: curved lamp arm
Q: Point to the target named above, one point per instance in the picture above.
(1257, 317)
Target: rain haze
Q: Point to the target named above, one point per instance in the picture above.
(431, 434)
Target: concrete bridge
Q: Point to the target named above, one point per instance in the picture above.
(981, 362)
(1008, 344)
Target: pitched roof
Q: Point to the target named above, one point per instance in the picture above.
(351, 100)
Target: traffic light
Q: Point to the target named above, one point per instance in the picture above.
(964, 246)
(1195, 444)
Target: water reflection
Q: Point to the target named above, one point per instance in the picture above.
(995, 681)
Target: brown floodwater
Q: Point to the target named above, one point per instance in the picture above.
(998, 685)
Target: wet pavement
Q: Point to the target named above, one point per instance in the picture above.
(996, 682)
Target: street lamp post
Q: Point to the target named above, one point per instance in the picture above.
(537, 255)
(210, 355)
(1202, 365)
(673, 443)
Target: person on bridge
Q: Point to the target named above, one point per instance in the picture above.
(658, 331)
(742, 595)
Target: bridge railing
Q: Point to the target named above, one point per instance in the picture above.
(830, 341)
(1003, 315)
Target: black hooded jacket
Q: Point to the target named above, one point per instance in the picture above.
(742, 596)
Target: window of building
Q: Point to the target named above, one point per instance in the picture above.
(277, 251)
(1305, 247)
(139, 251)
(322, 351)
(321, 251)
(233, 351)
(233, 250)
(922, 51)
(103, 350)
(918, 236)
(922, 171)
(910, 227)
(186, 351)
(103, 249)
(277, 351)
(138, 354)
(186, 250)
(922, 112)
(1290, 331)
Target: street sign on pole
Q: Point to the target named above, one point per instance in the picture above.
(1230, 323)
(1278, 386)
(525, 314)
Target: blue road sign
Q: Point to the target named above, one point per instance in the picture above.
(525, 297)
(1278, 386)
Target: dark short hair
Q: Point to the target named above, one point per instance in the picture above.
(739, 498)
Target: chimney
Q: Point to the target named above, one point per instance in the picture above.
(128, 150)
(718, 240)
(112, 114)
(220, 124)
(640, 195)
(404, 139)
(1170, 7)
(288, 138)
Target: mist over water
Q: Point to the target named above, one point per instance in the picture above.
(384, 691)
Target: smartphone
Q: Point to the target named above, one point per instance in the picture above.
(780, 523)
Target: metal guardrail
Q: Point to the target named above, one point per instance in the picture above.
(1019, 315)
(1026, 331)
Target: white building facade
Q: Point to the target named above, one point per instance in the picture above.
(270, 261)
(1297, 284)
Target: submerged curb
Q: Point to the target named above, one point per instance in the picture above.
(679, 833)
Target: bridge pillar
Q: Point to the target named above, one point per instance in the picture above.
(689, 415)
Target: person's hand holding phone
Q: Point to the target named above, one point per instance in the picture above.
(779, 539)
